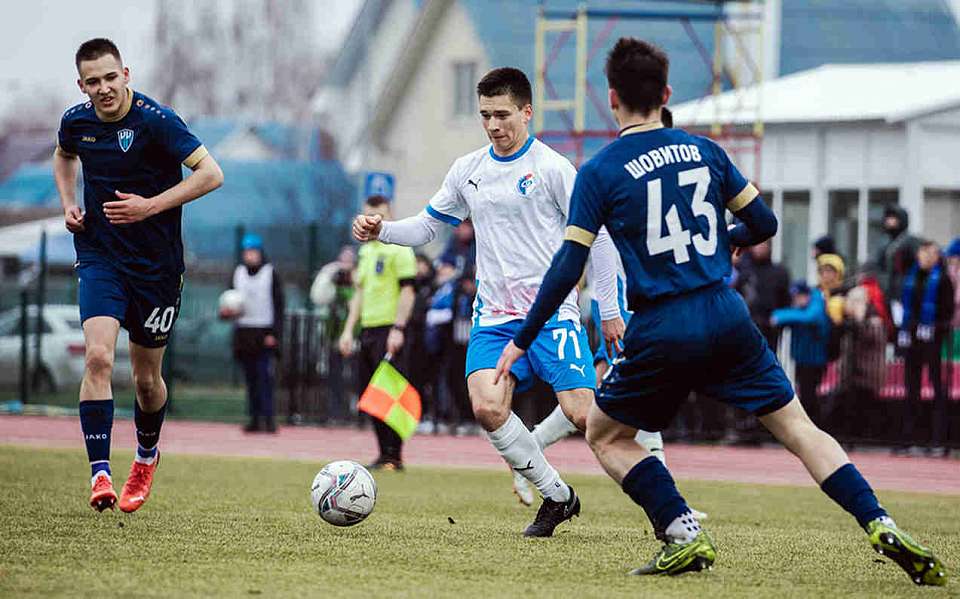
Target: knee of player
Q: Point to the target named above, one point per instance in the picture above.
(598, 435)
(99, 360)
(577, 406)
(490, 413)
(145, 382)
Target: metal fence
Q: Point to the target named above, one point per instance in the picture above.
(861, 397)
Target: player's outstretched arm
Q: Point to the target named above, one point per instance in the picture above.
(411, 231)
(131, 208)
(757, 223)
(66, 166)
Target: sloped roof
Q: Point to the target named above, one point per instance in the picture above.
(830, 93)
(817, 32)
(30, 185)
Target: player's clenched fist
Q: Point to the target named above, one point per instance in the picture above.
(73, 219)
(366, 228)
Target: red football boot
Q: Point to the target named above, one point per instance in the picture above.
(137, 488)
(103, 496)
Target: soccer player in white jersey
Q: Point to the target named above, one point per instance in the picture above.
(516, 191)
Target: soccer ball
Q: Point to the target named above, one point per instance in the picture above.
(231, 303)
(343, 493)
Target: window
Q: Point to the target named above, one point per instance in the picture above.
(844, 221)
(941, 214)
(877, 200)
(795, 232)
(10, 326)
(464, 88)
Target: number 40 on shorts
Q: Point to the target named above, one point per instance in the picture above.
(160, 321)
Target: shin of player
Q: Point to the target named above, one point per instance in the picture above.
(129, 251)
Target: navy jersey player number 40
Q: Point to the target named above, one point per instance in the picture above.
(662, 193)
(129, 250)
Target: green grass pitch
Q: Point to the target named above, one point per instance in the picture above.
(244, 527)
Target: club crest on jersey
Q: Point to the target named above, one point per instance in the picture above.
(125, 137)
(525, 183)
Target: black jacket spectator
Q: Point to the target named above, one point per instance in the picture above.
(895, 257)
(765, 287)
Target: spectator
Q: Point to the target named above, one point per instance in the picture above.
(456, 378)
(382, 302)
(810, 331)
(830, 272)
(862, 365)
(895, 257)
(334, 280)
(824, 245)
(928, 309)
(419, 364)
(439, 336)
(461, 250)
(953, 269)
(765, 287)
(256, 335)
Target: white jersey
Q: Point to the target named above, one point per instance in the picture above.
(518, 205)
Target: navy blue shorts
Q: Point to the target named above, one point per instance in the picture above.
(703, 341)
(147, 309)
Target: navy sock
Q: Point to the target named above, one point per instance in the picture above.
(650, 485)
(148, 429)
(96, 422)
(849, 489)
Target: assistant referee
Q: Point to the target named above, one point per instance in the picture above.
(382, 304)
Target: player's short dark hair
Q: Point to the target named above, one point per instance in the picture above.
(95, 48)
(376, 201)
(506, 81)
(637, 71)
(924, 243)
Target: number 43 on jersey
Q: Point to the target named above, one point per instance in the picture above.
(677, 238)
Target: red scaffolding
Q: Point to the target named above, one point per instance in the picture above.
(738, 40)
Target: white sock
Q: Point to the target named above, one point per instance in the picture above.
(519, 448)
(554, 427)
(683, 529)
(653, 442)
(93, 479)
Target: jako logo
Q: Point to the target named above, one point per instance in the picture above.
(97, 437)
(525, 183)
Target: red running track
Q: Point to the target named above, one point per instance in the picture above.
(691, 462)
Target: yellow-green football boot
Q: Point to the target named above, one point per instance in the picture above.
(676, 558)
(920, 564)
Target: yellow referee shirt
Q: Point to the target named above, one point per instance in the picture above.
(380, 269)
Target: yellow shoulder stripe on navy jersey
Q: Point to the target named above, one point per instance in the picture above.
(195, 157)
(581, 236)
(740, 201)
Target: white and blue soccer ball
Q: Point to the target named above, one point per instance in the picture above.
(343, 493)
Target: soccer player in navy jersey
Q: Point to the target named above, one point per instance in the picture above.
(662, 194)
(129, 251)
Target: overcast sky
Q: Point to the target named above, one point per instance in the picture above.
(40, 37)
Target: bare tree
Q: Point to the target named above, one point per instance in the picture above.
(246, 58)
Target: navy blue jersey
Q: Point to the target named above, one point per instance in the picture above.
(662, 194)
(139, 153)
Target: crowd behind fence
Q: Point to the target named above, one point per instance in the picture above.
(861, 394)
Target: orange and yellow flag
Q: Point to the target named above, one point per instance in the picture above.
(392, 399)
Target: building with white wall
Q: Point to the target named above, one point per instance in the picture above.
(843, 141)
(401, 94)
